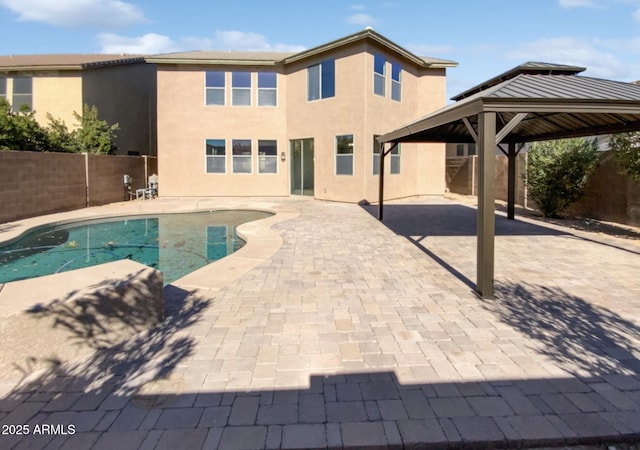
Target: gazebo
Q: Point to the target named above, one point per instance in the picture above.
(532, 102)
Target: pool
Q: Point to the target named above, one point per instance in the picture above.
(176, 244)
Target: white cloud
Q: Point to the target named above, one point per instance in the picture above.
(249, 41)
(149, 43)
(103, 13)
(573, 51)
(152, 43)
(361, 19)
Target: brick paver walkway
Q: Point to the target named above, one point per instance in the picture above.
(365, 334)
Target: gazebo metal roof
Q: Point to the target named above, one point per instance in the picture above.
(532, 102)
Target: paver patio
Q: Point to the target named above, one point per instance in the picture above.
(357, 333)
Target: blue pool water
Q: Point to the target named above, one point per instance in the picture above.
(176, 244)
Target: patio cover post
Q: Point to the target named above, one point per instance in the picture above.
(381, 179)
(381, 183)
(511, 181)
(486, 203)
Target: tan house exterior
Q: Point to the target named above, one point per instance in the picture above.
(122, 87)
(279, 124)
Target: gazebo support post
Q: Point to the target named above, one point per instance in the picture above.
(383, 154)
(511, 181)
(486, 203)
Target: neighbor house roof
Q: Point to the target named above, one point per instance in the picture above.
(556, 105)
(64, 61)
(274, 58)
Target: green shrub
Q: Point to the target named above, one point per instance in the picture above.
(558, 172)
(626, 151)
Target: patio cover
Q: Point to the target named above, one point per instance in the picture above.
(532, 102)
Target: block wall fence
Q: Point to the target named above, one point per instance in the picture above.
(36, 183)
(609, 196)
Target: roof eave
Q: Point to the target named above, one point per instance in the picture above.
(367, 34)
(217, 62)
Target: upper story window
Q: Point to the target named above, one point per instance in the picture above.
(460, 150)
(321, 80)
(379, 78)
(396, 82)
(241, 88)
(344, 154)
(214, 88)
(471, 149)
(241, 149)
(22, 93)
(267, 89)
(216, 156)
(3, 87)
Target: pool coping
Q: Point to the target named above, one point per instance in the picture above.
(261, 241)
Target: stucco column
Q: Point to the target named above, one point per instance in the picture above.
(486, 203)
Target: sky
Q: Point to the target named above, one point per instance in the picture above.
(485, 37)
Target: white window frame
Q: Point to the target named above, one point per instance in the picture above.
(396, 83)
(213, 157)
(238, 89)
(15, 105)
(216, 88)
(395, 157)
(263, 159)
(240, 158)
(345, 155)
(268, 89)
(380, 76)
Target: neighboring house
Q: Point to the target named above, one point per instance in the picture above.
(122, 87)
(276, 124)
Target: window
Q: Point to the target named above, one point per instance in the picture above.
(376, 155)
(379, 79)
(267, 89)
(471, 149)
(3, 87)
(241, 149)
(395, 160)
(396, 82)
(321, 82)
(241, 88)
(460, 150)
(22, 93)
(267, 157)
(214, 88)
(216, 156)
(344, 154)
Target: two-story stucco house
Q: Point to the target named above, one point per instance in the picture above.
(278, 124)
(122, 87)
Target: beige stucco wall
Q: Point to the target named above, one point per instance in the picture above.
(125, 94)
(184, 123)
(59, 94)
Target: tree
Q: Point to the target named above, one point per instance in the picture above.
(558, 172)
(20, 131)
(94, 135)
(626, 151)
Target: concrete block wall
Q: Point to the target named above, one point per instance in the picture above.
(609, 196)
(35, 183)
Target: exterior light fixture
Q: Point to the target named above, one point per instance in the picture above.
(283, 157)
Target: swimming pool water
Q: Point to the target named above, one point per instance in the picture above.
(176, 244)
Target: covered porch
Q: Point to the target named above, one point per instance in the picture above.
(532, 102)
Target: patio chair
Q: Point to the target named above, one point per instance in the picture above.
(151, 191)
